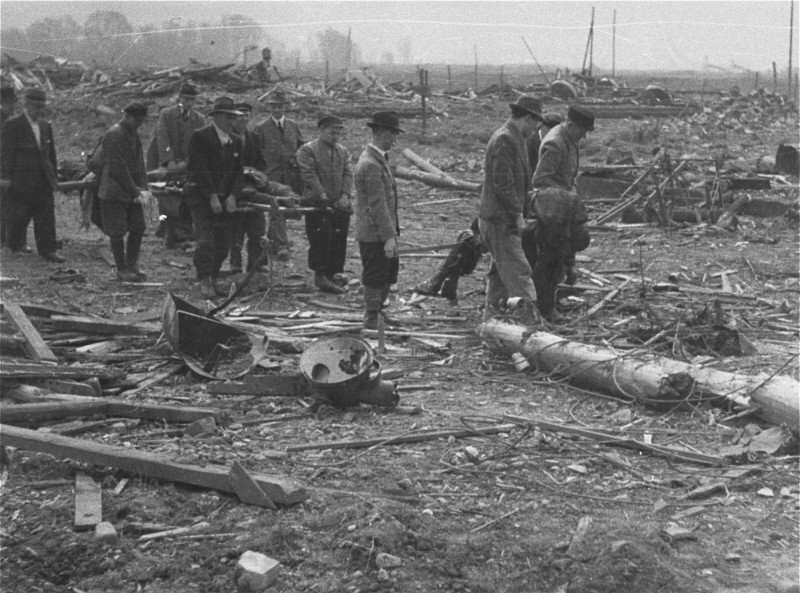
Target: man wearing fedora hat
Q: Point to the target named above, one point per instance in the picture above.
(215, 180)
(280, 139)
(28, 168)
(328, 178)
(559, 211)
(377, 224)
(8, 100)
(171, 145)
(123, 191)
(504, 208)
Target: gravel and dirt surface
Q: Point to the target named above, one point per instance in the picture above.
(518, 510)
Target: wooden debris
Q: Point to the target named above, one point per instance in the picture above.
(101, 326)
(36, 347)
(247, 489)
(579, 536)
(441, 181)
(88, 502)
(649, 378)
(23, 370)
(281, 491)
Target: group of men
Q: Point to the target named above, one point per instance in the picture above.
(531, 219)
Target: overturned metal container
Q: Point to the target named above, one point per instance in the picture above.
(343, 370)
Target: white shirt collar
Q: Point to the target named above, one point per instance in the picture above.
(223, 136)
(278, 121)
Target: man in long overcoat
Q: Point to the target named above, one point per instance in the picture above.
(504, 208)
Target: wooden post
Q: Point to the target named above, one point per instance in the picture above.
(423, 92)
(347, 60)
(791, 46)
(614, 46)
(449, 79)
(755, 86)
(475, 86)
(502, 83)
(774, 78)
(327, 73)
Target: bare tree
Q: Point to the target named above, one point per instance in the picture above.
(108, 35)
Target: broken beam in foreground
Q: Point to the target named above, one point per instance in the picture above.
(647, 377)
(280, 491)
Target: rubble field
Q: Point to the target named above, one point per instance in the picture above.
(486, 477)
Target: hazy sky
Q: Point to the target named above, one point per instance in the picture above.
(672, 35)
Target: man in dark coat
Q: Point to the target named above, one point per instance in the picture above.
(8, 100)
(534, 142)
(504, 208)
(377, 224)
(280, 139)
(560, 213)
(328, 177)
(216, 177)
(251, 224)
(123, 191)
(28, 169)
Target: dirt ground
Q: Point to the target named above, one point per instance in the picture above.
(499, 516)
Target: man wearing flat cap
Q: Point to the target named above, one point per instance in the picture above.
(123, 191)
(328, 177)
(504, 208)
(8, 100)
(173, 130)
(28, 169)
(377, 223)
(215, 181)
(280, 139)
(559, 211)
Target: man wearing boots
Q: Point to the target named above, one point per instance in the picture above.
(123, 191)
(377, 225)
(560, 213)
(503, 209)
(28, 169)
(280, 139)
(328, 178)
(215, 180)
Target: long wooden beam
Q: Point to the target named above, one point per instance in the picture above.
(279, 490)
(35, 345)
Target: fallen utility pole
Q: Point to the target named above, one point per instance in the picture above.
(279, 490)
(434, 180)
(649, 378)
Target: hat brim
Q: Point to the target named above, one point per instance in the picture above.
(228, 111)
(516, 109)
(374, 125)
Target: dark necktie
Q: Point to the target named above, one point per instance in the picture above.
(280, 127)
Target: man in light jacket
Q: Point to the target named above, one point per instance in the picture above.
(377, 224)
(328, 178)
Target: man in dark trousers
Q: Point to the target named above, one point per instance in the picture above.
(8, 100)
(28, 169)
(560, 213)
(503, 210)
(280, 139)
(215, 180)
(328, 177)
(251, 224)
(173, 130)
(377, 224)
(123, 191)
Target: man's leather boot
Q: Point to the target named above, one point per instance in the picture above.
(132, 255)
(372, 307)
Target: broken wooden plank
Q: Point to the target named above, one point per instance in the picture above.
(156, 378)
(434, 180)
(247, 489)
(442, 247)
(280, 490)
(101, 326)
(579, 536)
(83, 406)
(35, 345)
(647, 377)
(404, 438)
(88, 502)
(607, 299)
(26, 370)
(288, 384)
